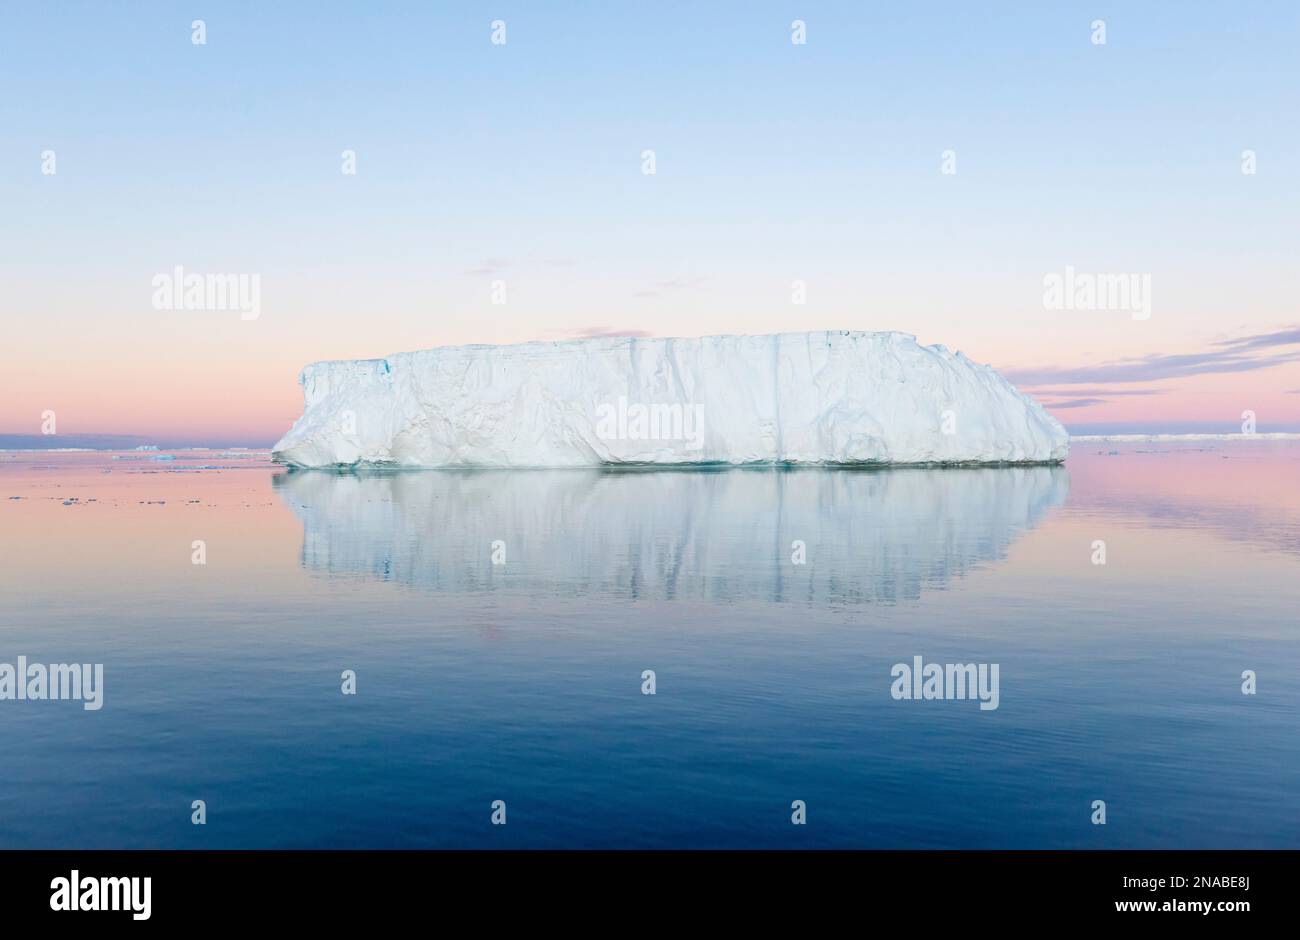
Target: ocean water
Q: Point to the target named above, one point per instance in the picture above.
(522, 681)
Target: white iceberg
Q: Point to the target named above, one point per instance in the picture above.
(829, 398)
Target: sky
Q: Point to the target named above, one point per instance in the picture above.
(925, 168)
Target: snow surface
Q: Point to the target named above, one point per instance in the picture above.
(822, 398)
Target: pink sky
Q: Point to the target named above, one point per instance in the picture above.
(212, 376)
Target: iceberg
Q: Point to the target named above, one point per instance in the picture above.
(827, 398)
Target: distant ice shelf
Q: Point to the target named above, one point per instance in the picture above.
(830, 398)
(1161, 438)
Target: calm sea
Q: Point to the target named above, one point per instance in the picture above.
(500, 626)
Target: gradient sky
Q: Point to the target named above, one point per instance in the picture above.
(775, 162)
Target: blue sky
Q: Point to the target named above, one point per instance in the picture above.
(479, 162)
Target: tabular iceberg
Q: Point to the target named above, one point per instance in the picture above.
(825, 398)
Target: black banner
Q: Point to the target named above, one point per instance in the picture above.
(332, 889)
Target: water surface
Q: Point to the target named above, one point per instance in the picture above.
(522, 681)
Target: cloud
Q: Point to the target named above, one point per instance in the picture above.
(672, 285)
(1099, 392)
(1288, 337)
(1076, 403)
(1088, 396)
(1151, 368)
(600, 332)
(495, 266)
(488, 268)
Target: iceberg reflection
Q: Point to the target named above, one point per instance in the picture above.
(870, 536)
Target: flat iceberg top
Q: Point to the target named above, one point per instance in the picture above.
(822, 398)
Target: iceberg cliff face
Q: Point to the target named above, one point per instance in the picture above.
(828, 398)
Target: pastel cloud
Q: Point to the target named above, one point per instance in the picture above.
(1235, 355)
